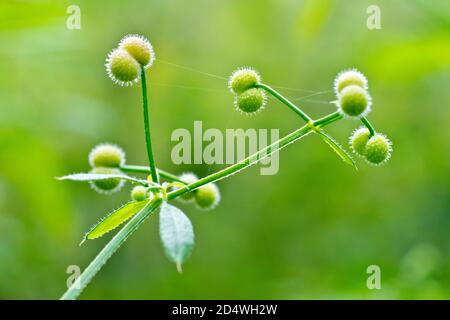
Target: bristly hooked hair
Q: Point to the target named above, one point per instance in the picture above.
(378, 149)
(349, 77)
(108, 154)
(122, 68)
(243, 79)
(139, 48)
(349, 98)
(257, 109)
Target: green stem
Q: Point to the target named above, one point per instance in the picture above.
(281, 98)
(78, 286)
(148, 139)
(332, 117)
(143, 169)
(368, 126)
(138, 219)
(254, 158)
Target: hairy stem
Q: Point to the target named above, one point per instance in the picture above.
(148, 139)
(143, 169)
(77, 287)
(281, 98)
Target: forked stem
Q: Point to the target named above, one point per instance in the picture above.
(77, 287)
(143, 169)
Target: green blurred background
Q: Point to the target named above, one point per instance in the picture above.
(308, 232)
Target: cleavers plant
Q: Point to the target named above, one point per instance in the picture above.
(126, 66)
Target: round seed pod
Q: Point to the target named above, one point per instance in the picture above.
(122, 68)
(243, 79)
(358, 140)
(354, 102)
(349, 77)
(107, 186)
(188, 177)
(207, 196)
(251, 101)
(140, 193)
(106, 155)
(378, 149)
(139, 48)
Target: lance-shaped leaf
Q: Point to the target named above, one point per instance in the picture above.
(177, 234)
(115, 219)
(97, 176)
(336, 148)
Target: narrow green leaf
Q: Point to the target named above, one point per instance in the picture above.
(97, 176)
(337, 148)
(110, 248)
(177, 234)
(115, 219)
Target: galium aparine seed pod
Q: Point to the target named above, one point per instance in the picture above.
(122, 68)
(243, 79)
(139, 48)
(251, 100)
(188, 178)
(354, 102)
(349, 77)
(107, 186)
(106, 155)
(358, 140)
(378, 149)
(140, 193)
(207, 196)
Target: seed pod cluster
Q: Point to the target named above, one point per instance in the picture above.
(375, 149)
(353, 99)
(106, 158)
(206, 197)
(124, 63)
(243, 84)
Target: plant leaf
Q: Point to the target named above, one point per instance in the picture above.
(344, 155)
(115, 219)
(177, 234)
(97, 176)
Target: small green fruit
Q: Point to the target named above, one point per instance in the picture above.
(349, 77)
(139, 48)
(107, 186)
(139, 193)
(354, 101)
(122, 68)
(358, 140)
(188, 178)
(378, 149)
(243, 79)
(251, 100)
(207, 196)
(106, 155)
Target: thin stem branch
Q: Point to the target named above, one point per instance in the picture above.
(332, 117)
(148, 139)
(143, 169)
(368, 126)
(284, 100)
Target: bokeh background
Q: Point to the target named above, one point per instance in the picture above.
(308, 232)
